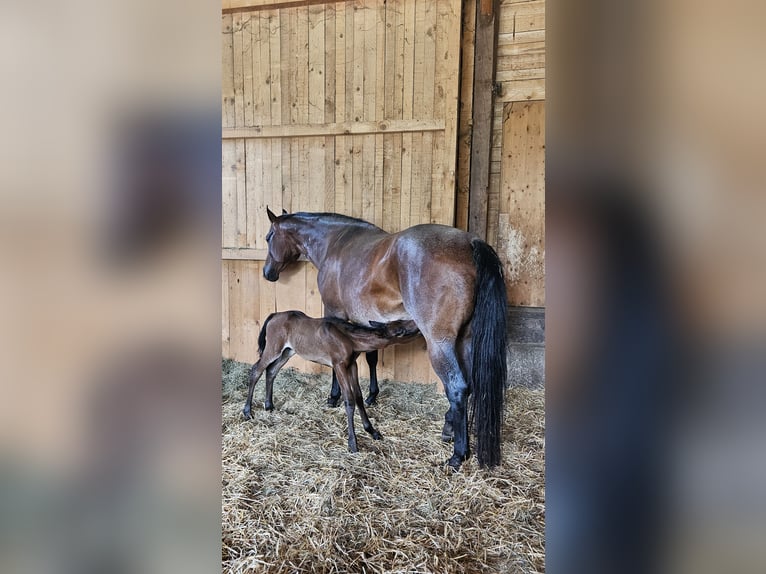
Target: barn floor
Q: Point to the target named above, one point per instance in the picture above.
(294, 499)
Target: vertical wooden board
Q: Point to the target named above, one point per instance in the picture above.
(406, 181)
(340, 174)
(358, 60)
(313, 305)
(316, 114)
(398, 66)
(409, 59)
(357, 178)
(276, 179)
(389, 40)
(419, 70)
(267, 303)
(380, 107)
(493, 209)
(429, 59)
(265, 193)
(427, 192)
(329, 107)
(388, 183)
(452, 61)
(367, 196)
(250, 311)
(229, 193)
(291, 294)
(239, 96)
(227, 76)
(300, 180)
(396, 184)
(421, 363)
(225, 335)
(386, 362)
(466, 109)
(287, 49)
(250, 44)
(416, 187)
(522, 248)
(437, 179)
(235, 310)
(275, 66)
(241, 193)
(341, 38)
(254, 185)
(405, 356)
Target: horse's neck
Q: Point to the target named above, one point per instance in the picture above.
(316, 237)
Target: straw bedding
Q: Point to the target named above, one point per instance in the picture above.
(295, 500)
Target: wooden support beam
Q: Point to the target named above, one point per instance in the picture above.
(487, 18)
(333, 129)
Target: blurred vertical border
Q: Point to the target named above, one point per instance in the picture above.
(109, 297)
(656, 270)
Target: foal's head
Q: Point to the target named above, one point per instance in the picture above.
(283, 249)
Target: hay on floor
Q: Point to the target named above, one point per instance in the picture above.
(295, 500)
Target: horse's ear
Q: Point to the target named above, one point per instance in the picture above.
(272, 217)
(284, 211)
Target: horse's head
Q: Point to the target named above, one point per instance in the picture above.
(283, 250)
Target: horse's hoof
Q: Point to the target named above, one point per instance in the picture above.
(454, 462)
(369, 401)
(352, 448)
(377, 436)
(246, 414)
(333, 401)
(268, 407)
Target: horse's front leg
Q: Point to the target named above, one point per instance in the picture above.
(372, 362)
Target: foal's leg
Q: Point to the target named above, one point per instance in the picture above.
(271, 374)
(372, 362)
(334, 398)
(445, 362)
(341, 369)
(255, 374)
(354, 379)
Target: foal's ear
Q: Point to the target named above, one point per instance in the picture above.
(272, 217)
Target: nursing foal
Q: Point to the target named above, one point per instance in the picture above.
(331, 342)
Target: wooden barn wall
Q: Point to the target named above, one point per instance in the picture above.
(516, 198)
(347, 106)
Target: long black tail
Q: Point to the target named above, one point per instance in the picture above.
(262, 334)
(489, 370)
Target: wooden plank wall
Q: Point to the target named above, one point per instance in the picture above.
(346, 106)
(516, 217)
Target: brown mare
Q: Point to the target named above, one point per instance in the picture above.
(449, 282)
(331, 342)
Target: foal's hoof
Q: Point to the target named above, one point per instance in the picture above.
(377, 436)
(246, 413)
(268, 406)
(333, 401)
(455, 462)
(369, 401)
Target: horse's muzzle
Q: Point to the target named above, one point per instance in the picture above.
(270, 274)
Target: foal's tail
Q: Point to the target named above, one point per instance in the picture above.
(262, 334)
(489, 370)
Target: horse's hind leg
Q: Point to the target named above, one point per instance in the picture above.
(349, 398)
(464, 355)
(271, 374)
(445, 362)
